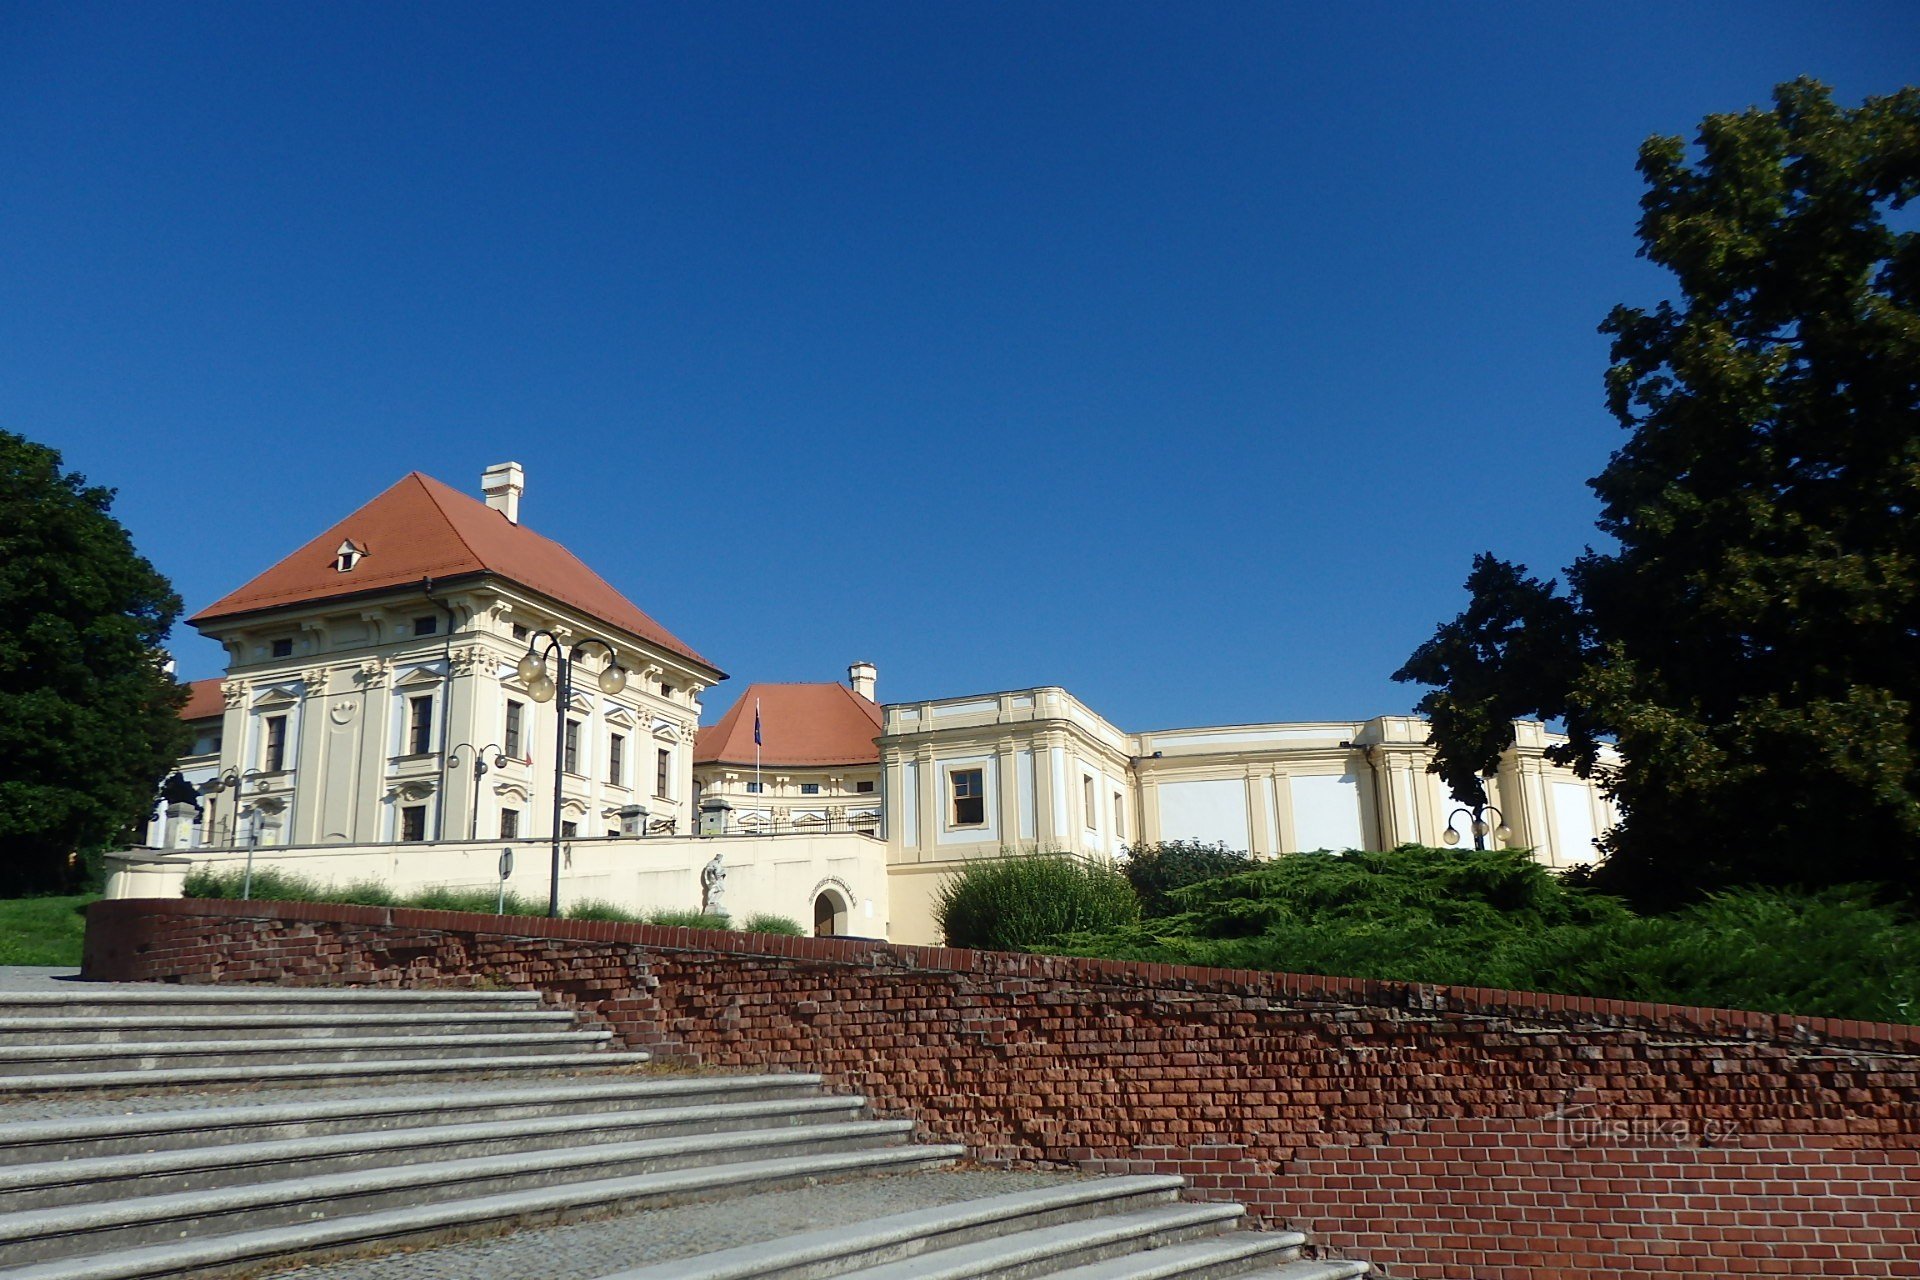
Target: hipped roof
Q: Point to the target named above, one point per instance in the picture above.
(800, 724)
(421, 528)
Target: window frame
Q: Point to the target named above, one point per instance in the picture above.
(954, 774)
(513, 733)
(413, 824)
(419, 726)
(616, 759)
(273, 743)
(570, 747)
(509, 824)
(662, 773)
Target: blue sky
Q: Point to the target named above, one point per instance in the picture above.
(1180, 354)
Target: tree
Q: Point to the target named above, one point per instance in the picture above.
(1752, 644)
(89, 716)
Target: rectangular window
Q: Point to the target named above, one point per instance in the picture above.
(969, 797)
(509, 824)
(1119, 816)
(568, 830)
(666, 690)
(1086, 801)
(515, 710)
(570, 754)
(753, 788)
(864, 787)
(519, 632)
(275, 755)
(616, 760)
(413, 822)
(426, 626)
(283, 648)
(662, 773)
(420, 724)
(809, 788)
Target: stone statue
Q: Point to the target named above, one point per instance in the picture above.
(713, 886)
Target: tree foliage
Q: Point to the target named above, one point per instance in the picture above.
(1156, 869)
(1018, 901)
(89, 718)
(1752, 643)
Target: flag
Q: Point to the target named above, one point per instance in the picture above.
(756, 722)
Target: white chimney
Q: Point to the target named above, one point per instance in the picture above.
(503, 483)
(864, 677)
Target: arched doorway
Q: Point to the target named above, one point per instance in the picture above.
(829, 915)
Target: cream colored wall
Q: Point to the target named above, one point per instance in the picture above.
(840, 804)
(1267, 788)
(344, 691)
(776, 876)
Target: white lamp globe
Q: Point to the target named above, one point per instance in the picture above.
(613, 679)
(531, 667)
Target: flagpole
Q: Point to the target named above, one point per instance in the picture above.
(758, 785)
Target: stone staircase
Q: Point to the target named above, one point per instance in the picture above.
(170, 1131)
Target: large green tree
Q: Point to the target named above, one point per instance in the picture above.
(1752, 642)
(89, 718)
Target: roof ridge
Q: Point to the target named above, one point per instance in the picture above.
(421, 478)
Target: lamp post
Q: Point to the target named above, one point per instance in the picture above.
(480, 768)
(541, 687)
(1478, 815)
(235, 779)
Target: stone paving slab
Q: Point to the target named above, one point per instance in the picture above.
(588, 1250)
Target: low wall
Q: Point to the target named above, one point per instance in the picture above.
(775, 875)
(1435, 1131)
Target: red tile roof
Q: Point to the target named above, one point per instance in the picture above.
(422, 528)
(800, 724)
(203, 700)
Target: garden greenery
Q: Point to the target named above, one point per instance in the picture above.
(1020, 900)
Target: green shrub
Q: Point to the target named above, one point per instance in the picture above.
(1018, 901)
(773, 924)
(674, 918)
(598, 909)
(268, 885)
(1499, 919)
(1155, 870)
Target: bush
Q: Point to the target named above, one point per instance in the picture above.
(1018, 901)
(268, 886)
(1154, 870)
(598, 909)
(1499, 919)
(773, 924)
(674, 918)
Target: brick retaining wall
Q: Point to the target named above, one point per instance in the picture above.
(1435, 1131)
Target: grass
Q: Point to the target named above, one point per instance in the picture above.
(280, 886)
(43, 931)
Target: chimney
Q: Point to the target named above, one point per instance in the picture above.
(503, 483)
(864, 676)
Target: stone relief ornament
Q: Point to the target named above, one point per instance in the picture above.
(468, 660)
(342, 712)
(315, 679)
(374, 672)
(234, 692)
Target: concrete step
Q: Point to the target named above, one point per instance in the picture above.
(53, 1184)
(84, 999)
(290, 1115)
(212, 1254)
(34, 1235)
(906, 1237)
(1044, 1250)
(391, 1068)
(48, 1059)
(288, 1024)
(1267, 1254)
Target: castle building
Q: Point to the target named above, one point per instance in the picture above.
(380, 720)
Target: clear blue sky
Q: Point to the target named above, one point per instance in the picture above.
(1180, 354)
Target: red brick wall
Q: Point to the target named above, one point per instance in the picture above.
(1437, 1132)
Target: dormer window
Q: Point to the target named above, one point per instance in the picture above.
(347, 556)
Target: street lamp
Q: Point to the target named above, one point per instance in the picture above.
(1478, 814)
(235, 780)
(541, 687)
(480, 768)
